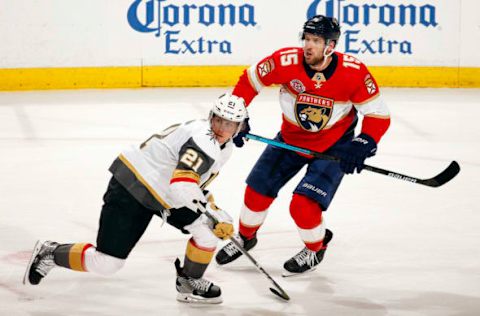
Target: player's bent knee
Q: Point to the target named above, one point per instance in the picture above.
(305, 212)
(201, 233)
(101, 263)
(256, 201)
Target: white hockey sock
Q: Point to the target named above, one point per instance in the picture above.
(100, 263)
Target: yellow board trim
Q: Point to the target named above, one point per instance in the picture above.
(70, 78)
(75, 257)
(191, 76)
(427, 77)
(210, 76)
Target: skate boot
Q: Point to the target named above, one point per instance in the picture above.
(230, 252)
(41, 262)
(306, 259)
(191, 290)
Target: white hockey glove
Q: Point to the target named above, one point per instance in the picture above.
(222, 221)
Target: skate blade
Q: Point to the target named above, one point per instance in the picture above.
(35, 251)
(288, 274)
(195, 299)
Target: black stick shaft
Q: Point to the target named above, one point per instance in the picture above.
(446, 175)
(284, 294)
(279, 291)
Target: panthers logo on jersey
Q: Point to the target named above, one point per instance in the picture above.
(312, 111)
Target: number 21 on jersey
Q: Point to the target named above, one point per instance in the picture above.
(191, 159)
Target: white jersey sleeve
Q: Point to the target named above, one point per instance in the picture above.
(174, 165)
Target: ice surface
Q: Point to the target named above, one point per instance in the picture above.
(399, 248)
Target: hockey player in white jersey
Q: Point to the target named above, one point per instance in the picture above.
(164, 175)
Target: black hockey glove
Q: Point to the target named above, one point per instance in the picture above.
(240, 139)
(353, 154)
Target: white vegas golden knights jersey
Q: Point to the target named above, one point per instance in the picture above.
(183, 152)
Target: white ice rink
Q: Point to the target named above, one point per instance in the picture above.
(398, 248)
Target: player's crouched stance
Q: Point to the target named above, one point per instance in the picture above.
(166, 176)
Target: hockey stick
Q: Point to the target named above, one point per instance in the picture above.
(277, 290)
(440, 179)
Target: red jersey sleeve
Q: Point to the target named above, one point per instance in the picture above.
(270, 70)
(367, 100)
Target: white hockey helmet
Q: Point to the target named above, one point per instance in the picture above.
(230, 107)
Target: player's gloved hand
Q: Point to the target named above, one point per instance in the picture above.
(208, 196)
(353, 154)
(222, 227)
(240, 139)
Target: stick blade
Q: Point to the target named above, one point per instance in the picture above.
(282, 294)
(446, 175)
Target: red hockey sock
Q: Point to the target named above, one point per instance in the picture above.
(253, 212)
(307, 214)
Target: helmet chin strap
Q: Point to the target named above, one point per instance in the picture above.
(325, 54)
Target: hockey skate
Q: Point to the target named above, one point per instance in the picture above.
(230, 252)
(191, 290)
(306, 260)
(41, 262)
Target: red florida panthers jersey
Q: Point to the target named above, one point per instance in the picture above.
(318, 107)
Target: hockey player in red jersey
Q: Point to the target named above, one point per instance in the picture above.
(165, 174)
(321, 94)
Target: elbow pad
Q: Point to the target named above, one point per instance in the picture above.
(183, 193)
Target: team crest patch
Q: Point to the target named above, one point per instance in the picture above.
(319, 78)
(297, 85)
(370, 85)
(266, 67)
(312, 111)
